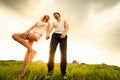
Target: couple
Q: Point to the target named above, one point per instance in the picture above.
(35, 33)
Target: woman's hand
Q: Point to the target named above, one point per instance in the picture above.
(47, 37)
(24, 35)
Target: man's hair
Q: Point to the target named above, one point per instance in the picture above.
(57, 13)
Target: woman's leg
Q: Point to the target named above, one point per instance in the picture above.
(28, 44)
(18, 37)
(35, 38)
(26, 60)
(32, 55)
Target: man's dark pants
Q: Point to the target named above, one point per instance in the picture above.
(55, 40)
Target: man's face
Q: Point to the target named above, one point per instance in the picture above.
(56, 16)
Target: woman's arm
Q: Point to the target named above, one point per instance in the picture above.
(51, 28)
(31, 28)
(49, 31)
(25, 34)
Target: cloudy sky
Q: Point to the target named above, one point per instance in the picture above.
(94, 28)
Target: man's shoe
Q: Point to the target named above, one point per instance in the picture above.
(64, 78)
(48, 77)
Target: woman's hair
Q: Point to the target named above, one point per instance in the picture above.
(57, 13)
(45, 18)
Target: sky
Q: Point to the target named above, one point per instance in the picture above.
(93, 36)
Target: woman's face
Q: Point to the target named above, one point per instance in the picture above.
(46, 18)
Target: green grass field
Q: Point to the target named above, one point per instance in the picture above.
(10, 70)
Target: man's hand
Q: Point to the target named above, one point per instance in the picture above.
(63, 36)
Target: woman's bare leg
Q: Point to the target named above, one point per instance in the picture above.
(32, 55)
(27, 42)
(26, 60)
(22, 41)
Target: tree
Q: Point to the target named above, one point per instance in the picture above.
(75, 62)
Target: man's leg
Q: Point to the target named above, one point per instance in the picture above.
(53, 46)
(63, 50)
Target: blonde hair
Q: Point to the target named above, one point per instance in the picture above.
(45, 18)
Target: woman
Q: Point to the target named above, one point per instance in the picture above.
(29, 37)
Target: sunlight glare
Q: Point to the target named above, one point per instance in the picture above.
(85, 53)
(46, 2)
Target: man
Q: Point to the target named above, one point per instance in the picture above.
(58, 37)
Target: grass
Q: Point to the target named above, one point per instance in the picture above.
(10, 70)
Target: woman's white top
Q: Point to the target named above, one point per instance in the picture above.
(59, 27)
(41, 27)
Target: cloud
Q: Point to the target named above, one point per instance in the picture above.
(106, 35)
(78, 13)
(79, 10)
(112, 39)
(21, 7)
(78, 6)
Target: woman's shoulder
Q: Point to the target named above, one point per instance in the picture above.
(39, 22)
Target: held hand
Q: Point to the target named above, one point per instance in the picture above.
(47, 37)
(63, 36)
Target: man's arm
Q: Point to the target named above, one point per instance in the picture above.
(65, 30)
